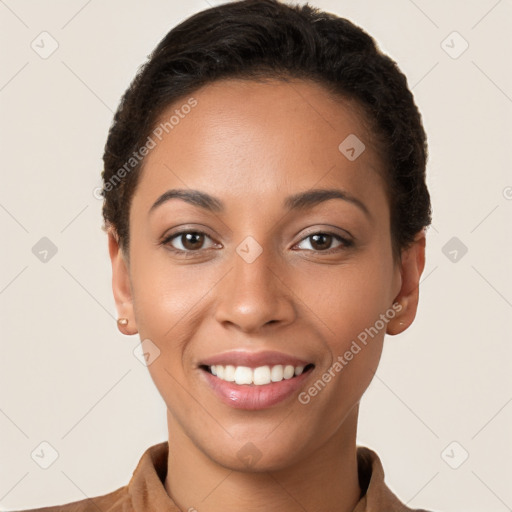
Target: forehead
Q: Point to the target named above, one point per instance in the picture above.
(248, 140)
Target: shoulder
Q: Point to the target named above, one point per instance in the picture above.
(377, 496)
(146, 482)
(116, 501)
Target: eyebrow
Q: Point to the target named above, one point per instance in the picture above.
(300, 201)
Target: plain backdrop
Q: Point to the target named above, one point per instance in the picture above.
(439, 411)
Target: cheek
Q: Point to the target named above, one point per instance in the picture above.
(167, 300)
(165, 295)
(348, 299)
(170, 303)
(349, 302)
(349, 309)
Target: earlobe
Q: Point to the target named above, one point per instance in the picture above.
(412, 265)
(121, 286)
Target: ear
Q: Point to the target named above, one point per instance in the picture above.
(121, 284)
(411, 267)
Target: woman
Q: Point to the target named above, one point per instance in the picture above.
(265, 205)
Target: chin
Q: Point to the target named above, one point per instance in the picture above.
(256, 454)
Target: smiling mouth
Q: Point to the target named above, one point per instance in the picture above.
(260, 376)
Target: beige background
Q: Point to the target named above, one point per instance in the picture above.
(69, 378)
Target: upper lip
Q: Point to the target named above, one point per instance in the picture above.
(253, 359)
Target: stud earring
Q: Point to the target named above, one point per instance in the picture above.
(122, 322)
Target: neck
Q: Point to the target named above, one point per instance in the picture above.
(324, 481)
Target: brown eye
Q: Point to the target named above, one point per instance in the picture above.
(187, 241)
(192, 241)
(322, 242)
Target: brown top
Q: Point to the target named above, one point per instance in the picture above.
(146, 492)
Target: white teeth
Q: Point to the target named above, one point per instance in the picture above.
(299, 370)
(257, 376)
(243, 375)
(261, 375)
(276, 374)
(288, 372)
(229, 373)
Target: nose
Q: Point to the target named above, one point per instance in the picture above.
(254, 295)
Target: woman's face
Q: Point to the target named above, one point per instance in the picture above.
(269, 274)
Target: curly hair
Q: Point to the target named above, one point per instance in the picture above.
(254, 39)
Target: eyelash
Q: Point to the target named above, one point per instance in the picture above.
(345, 242)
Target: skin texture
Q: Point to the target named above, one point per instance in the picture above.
(251, 145)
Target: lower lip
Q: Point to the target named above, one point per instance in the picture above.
(253, 397)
